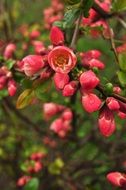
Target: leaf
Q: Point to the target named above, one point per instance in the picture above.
(87, 4)
(25, 98)
(9, 63)
(119, 5)
(122, 77)
(122, 61)
(70, 17)
(71, 2)
(42, 89)
(33, 184)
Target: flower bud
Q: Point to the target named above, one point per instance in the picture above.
(9, 50)
(12, 87)
(112, 103)
(60, 80)
(56, 36)
(50, 109)
(116, 178)
(3, 80)
(96, 63)
(70, 88)
(122, 115)
(106, 122)
(32, 64)
(67, 115)
(91, 102)
(23, 180)
(89, 80)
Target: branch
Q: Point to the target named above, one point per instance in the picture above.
(75, 35)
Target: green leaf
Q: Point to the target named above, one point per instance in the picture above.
(25, 98)
(9, 63)
(122, 61)
(87, 4)
(122, 77)
(72, 2)
(42, 89)
(119, 5)
(70, 17)
(33, 184)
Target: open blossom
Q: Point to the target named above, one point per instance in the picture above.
(89, 80)
(32, 64)
(91, 102)
(62, 59)
(116, 178)
(56, 36)
(60, 80)
(106, 122)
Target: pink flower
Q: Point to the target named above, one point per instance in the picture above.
(38, 166)
(122, 115)
(60, 80)
(23, 180)
(106, 122)
(62, 59)
(116, 178)
(50, 109)
(89, 80)
(67, 115)
(3, 80)
(96, 63)
(91, 102)
(12, 87)
(9, 50)
(112, 103)
(39, 47)
(70, 88)
(117, 89)
(32, 64)
(56, 36)
(34, 34)
(37, 156)
(60, 127)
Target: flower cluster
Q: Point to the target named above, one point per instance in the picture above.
(6, 80)
(62, 125)
(53, 13)
(32, 165)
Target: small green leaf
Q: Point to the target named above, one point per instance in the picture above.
(25, 98)
(87, 4)
(122, 61)
(122, 77)
(42, 88)
(9, 63)
(119, 5)
(72, 2)
(70, 17)
(33, 184)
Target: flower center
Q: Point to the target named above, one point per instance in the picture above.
(61, 60)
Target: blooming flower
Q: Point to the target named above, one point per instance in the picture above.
(62, 59)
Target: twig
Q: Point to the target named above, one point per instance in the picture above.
(75, 35)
